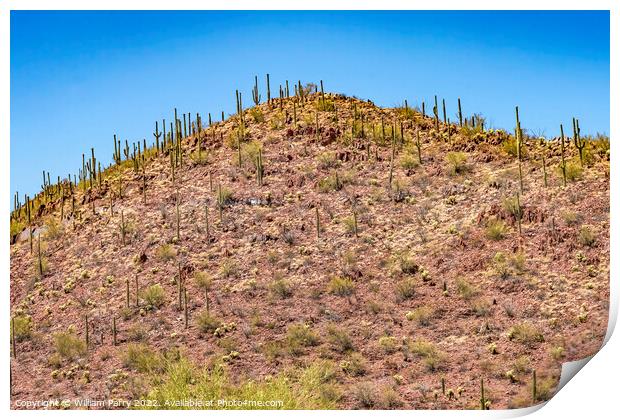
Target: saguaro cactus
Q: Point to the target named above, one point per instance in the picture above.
(255, 94)
(562, 162)
(519, 138)
(580, 143)
(460, 113)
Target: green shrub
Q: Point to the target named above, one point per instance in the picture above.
(301, 334)
(496, 229)
(573, 171)
(207, 323)
(311, 387)
(466, 289)
(408, 161)
(21, 327)
(457, 162)
(140, 357)
(525, 333)
(354, 365)
(341, 286)
(281, 288)
(166, 252)
(388, 344)
(68, 345)
(154, 296)
(586, 236)
(257, 115)
(339, 339)
(405, 289)
(422, 315)
(431, 356)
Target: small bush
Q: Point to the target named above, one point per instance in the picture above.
(141, 358)
(512, 206)
(281, 288)
(21, 327)
(457, 162)
(586, 236)
(366, 394)
(339, 339)
(229, 268)
(327, 160)
(341, 286)
(301, 334)
(69, 346)
(496, 229)
(136, 333)
(154, 296)
(422, 315)
(257, 115)
(166, 252)
(207, 323)
(573, 171)
(525, 333)
(466, 289)
(409, 161)
(407, 264)
(203, 280)
(405, 289)
(431, 356)
(388, 344)
(571, 218)
(355, 365)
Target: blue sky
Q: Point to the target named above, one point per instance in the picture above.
(79, 77)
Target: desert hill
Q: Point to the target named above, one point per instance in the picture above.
(320, 250)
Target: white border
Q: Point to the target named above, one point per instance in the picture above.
(592, 395)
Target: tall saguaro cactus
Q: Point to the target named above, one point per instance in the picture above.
(580, 143)
(255, 94)
(563, 162)
(519, 138)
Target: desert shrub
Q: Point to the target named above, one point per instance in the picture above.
(408, 161)
(277, 121)
(512, 206)
(327, 160)
(525, 333)
(16, 228)
(257, 115)
(334, 182)
(281, 288)
(341, 286)
(388, 344)
(407, 263)
(571, 218)
(405, 289)
(354, 365)
(68, 345)
(496, 229)
(203, 279)
(586, 236)
(166, 252)
(154, 296)
(431, 356)
(224, 195)
(327, 105)
(301, 334)
(142, 358)
(311, 387)
(229, 268)
(207, 323)
(136, 332)
(366, 394)
(481, 307)
(53, 228)
(339, 339)
(422, 315)
(466, 290)
(573, 171)
(457, 162)
(21, 327)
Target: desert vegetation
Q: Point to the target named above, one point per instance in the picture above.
(319, 250)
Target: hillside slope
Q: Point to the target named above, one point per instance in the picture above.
(407, 281)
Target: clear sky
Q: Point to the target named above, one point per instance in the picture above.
(79, 77)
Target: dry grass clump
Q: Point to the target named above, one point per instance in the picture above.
(341, 286)
(525, 333)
